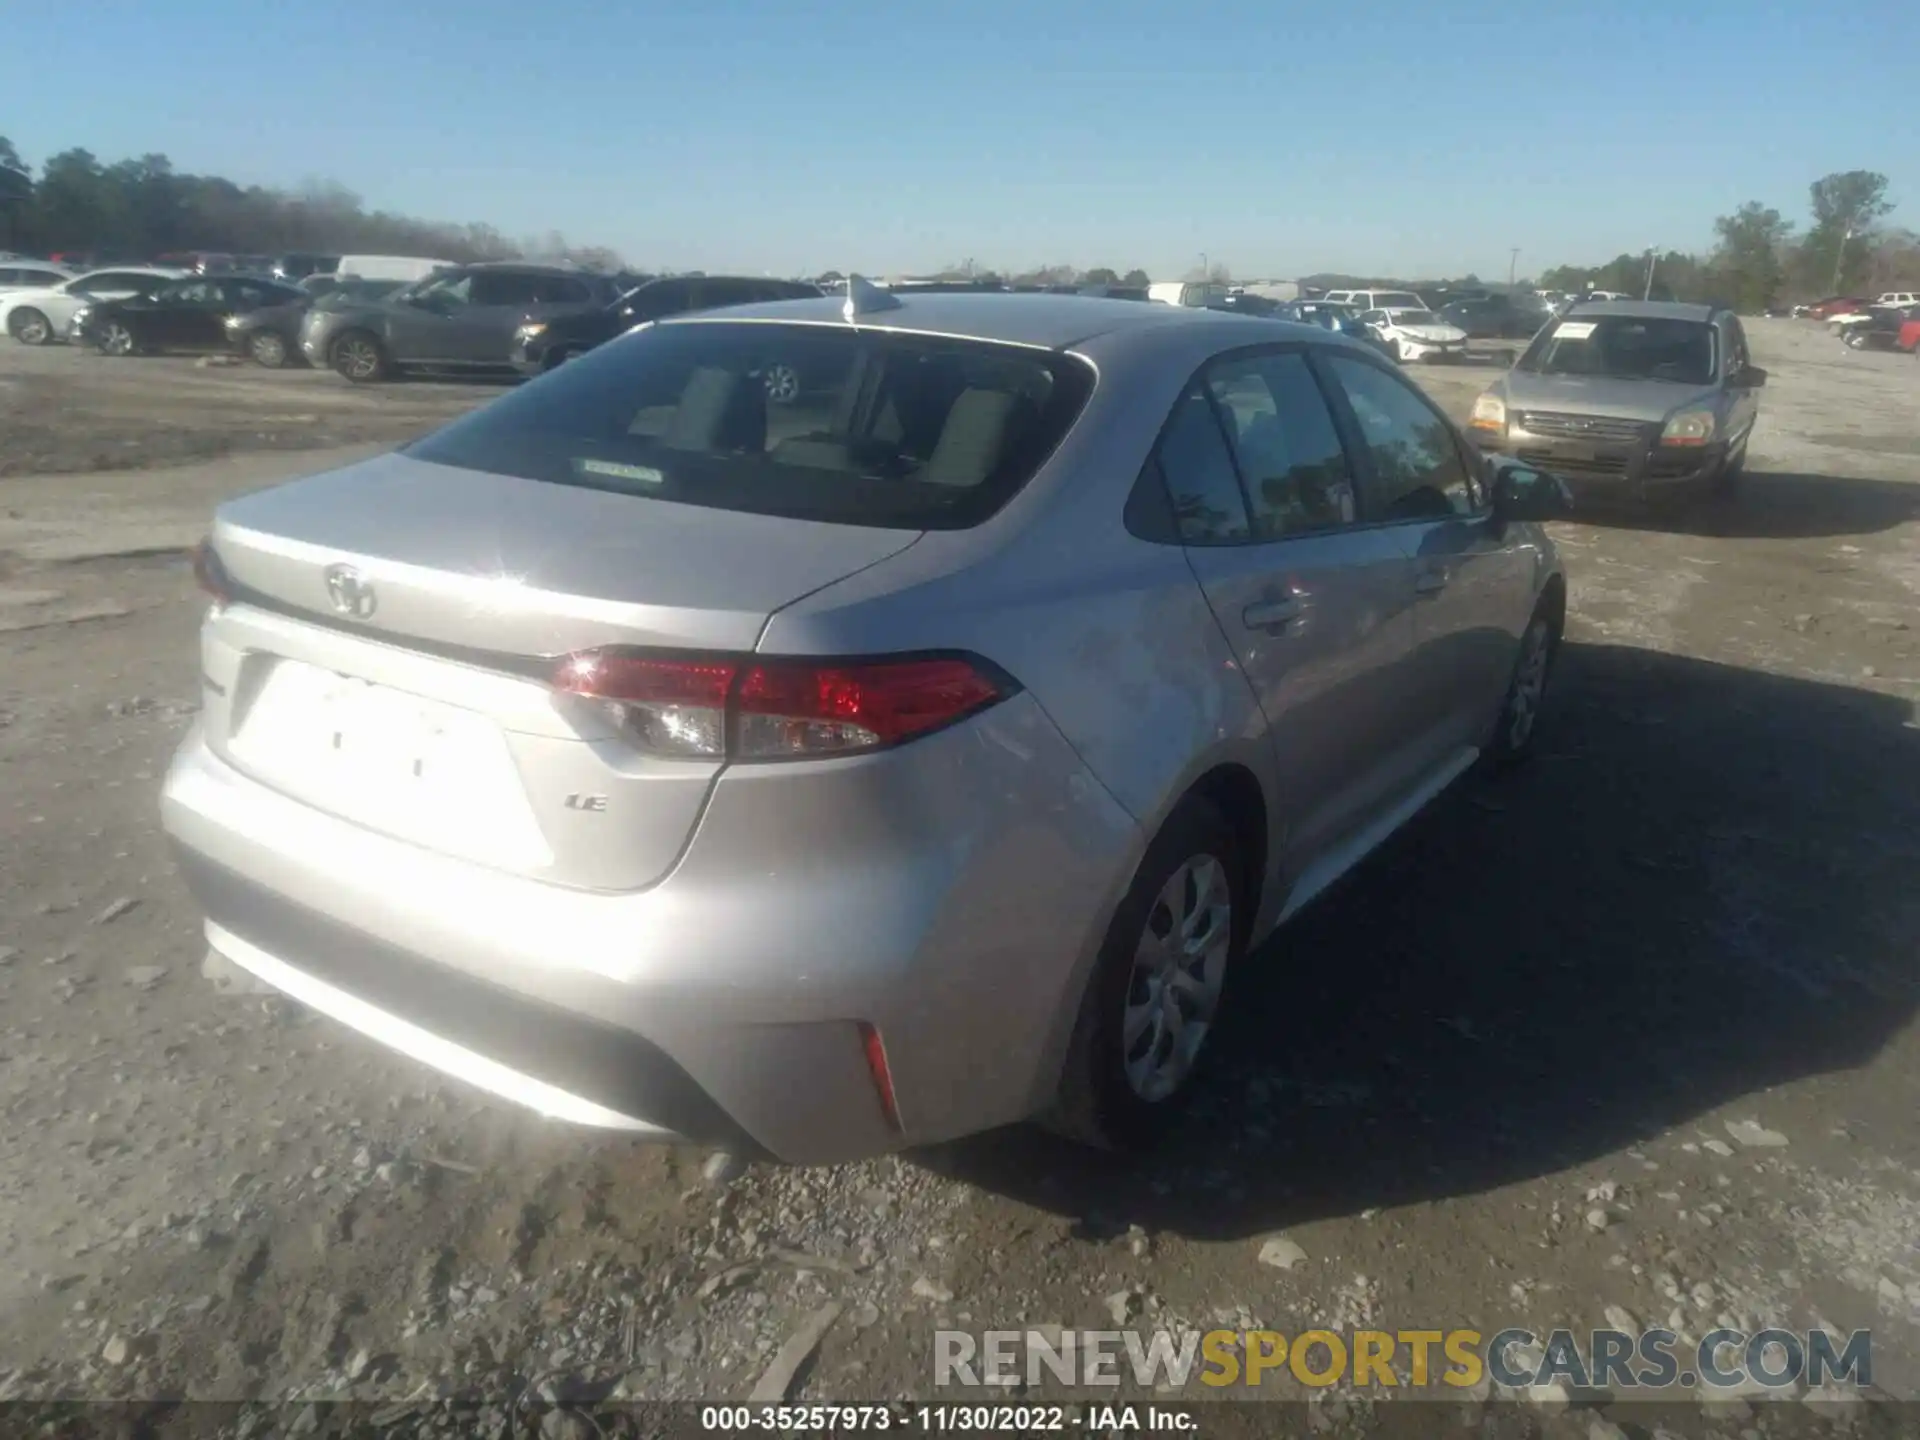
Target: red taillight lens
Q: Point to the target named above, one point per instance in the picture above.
(797, 708)
(209, 574)
(777, 709)
(669, 707)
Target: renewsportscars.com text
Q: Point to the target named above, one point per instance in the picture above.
(1516, 1359)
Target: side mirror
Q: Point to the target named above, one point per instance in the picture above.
(1522, 493)
(1751, 378)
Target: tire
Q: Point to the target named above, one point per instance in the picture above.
(359, 356)
(1121, 1092)
(783, 384)
(269, 349)
(1855, 339)
(118, 340)
(1400, 352)
(1517, 724)
(29, 327)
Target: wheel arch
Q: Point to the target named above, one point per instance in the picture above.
(1235, 789)
(1553, 599)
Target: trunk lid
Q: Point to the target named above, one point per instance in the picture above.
(409, 696)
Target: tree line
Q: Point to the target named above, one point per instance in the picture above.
(1759, 261)
(139, 208)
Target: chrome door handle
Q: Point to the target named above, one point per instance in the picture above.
(1431, 583)
(1268, 614)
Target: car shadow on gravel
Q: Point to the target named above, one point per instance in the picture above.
(1700, 888)
(1781, 505)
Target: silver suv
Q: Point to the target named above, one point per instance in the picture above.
(460, 320)
(827, 777)
(1629, 401)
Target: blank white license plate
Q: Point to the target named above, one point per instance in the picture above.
(402, 763)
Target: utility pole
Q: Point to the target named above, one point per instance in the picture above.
(1650, 264)
(1513, 263)
(1206, 273)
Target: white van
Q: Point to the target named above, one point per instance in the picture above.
(1196, 293)
(387, 267)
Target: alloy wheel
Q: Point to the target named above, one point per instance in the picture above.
(30, 327)
(783, 384)
(1529, 685)
(117, 340)
(1179, 965)
(357, 359)
(269, 349)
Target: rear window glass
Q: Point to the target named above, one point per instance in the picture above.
(817, 422)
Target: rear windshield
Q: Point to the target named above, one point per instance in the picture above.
(1625, 347)
(817, 422)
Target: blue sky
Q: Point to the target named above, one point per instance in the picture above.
(1386, 137)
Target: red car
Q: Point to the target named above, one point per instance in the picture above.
(1909, 337)
(1835, 305)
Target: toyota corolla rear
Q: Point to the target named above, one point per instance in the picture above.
(494, 766)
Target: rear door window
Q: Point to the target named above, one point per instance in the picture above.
(1289, 454)
(562, 290)
(506, 287)
(1197, 469)
(870, 428)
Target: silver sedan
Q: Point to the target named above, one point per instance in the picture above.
(918, 756)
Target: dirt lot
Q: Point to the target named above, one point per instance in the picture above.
(1630, 1031)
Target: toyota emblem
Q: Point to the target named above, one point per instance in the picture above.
(348, 592)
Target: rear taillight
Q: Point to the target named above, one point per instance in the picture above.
(668, 707)
(209, 574)
(746, 709)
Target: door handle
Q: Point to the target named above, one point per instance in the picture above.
(1432, 582)
(1269, 614)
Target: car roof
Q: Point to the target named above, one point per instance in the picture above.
(1644, 309)
(1045, 321)
(532, 267)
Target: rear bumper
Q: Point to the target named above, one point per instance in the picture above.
(950, 894)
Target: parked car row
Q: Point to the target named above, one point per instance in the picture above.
(503, 318)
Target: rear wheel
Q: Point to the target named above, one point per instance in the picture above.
(1520, 712)
(1155, 994)
(1856, 338)
(359, 357)
(267, 349)
(29, 327)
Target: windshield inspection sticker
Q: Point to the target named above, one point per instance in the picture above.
(1576, 330)
(645, 474)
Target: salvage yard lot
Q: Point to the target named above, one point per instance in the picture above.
(1499, 1078)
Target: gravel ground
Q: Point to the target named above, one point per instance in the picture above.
(1629, 1031)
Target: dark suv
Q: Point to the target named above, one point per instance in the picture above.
(549, 340)
(462, 319)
